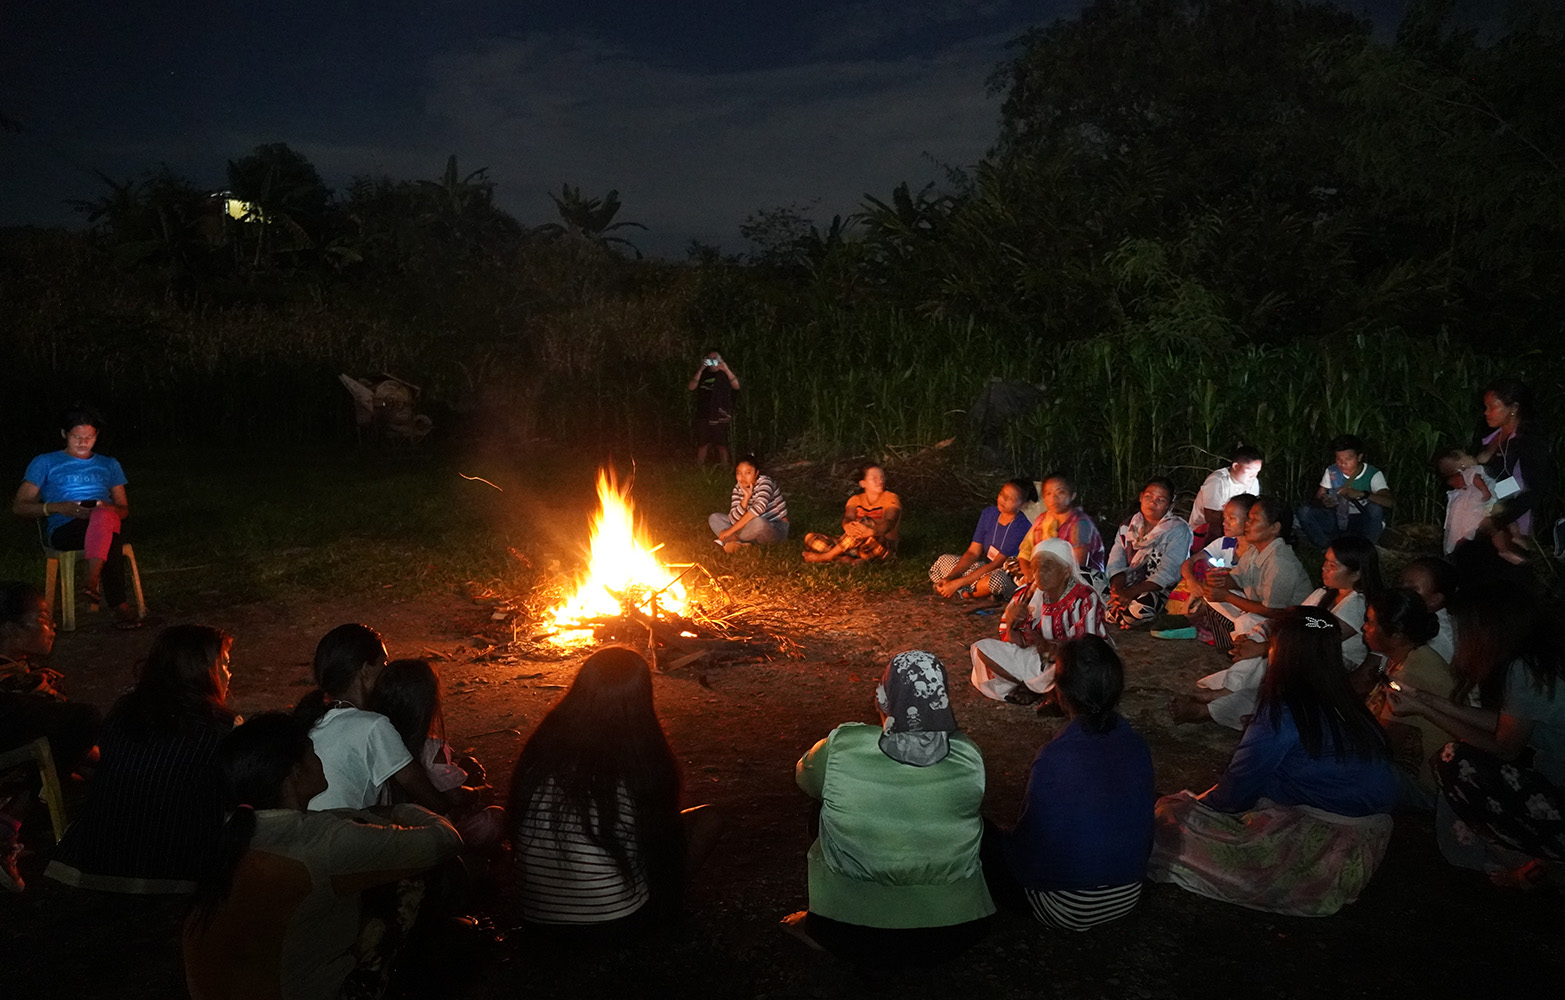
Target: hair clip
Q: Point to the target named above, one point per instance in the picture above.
(1316, 622)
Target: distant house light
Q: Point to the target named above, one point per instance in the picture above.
(243, 211)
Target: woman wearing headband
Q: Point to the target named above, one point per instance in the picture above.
(1298, 822)
(895, 876)
(1055, 605)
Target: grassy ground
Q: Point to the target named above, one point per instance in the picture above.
(219, 528)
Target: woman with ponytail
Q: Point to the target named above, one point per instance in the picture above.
(1080, 845)
(281, 916)
(361, 750)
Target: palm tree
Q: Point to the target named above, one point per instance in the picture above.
(588, 219)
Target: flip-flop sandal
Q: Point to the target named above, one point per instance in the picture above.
(93, 594)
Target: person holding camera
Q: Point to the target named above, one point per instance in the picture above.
(716, 388)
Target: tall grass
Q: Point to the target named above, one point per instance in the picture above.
(1124, 407)
(602, 366)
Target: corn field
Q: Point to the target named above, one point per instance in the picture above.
(608, 373)
(1122, 408)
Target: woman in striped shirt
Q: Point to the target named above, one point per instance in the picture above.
(600, 842)
(153, 819)
(757, 512)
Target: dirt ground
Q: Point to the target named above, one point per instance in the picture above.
(1421, 929)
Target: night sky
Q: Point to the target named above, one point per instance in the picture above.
(699, 113)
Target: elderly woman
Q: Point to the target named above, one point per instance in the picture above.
(979, 571)
(1148, 551)
(871, 524)
(895, 876)
(757, 512)
(1056, 605)
(83, 497)
(1298, 822)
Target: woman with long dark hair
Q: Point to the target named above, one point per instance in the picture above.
(360, 749)
(599, 838)
(408, 694)
(1298, 822)
(1502, 781)
(280, 916)
(154, 807)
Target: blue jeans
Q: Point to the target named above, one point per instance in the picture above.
(1319, 524)
(759, 531)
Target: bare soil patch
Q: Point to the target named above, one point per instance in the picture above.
(1422, 928)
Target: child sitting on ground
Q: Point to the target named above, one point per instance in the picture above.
(1470, 500)
(408, 693)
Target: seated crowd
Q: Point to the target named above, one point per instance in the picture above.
(314, 842)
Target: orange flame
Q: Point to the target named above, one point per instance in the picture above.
(622, 560)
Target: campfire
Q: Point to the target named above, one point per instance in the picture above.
(627, 594)
(624, 576)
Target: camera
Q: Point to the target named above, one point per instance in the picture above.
(711, 362)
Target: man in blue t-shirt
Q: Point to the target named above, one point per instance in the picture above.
(83, 497)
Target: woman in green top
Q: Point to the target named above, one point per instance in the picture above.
(894, 874)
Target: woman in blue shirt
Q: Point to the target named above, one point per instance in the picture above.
(1079, 848)
(980, 570)
(1298, 821)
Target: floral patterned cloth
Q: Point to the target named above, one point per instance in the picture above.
(1501, 802)
(1296, 860)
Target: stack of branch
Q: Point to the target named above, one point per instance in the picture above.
(674, 641)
